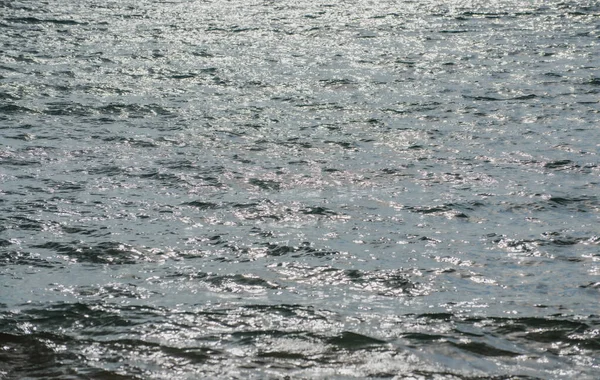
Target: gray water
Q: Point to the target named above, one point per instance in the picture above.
(318, 190)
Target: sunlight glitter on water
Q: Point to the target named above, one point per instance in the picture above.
(269, 189)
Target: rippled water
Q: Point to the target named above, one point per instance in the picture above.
(260, 189)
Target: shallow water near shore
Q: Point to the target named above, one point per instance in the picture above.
(261, 189)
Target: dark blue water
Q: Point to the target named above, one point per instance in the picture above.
(261, 189)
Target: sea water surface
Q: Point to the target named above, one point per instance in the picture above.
(258, 189)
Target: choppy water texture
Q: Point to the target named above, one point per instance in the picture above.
(260, 189)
